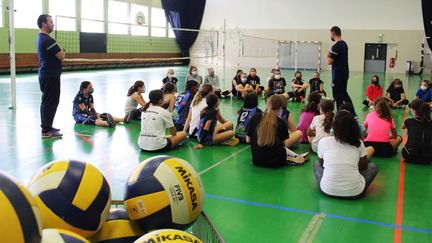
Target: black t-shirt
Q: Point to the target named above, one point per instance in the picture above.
(174, 80)
(47, 48)
(419, 135)
(395, 94)
(339, 53)
(254, 81)
(267, 156)
(296, 81)
(277, 85)
(315, 84)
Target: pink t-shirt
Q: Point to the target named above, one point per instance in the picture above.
(304, 123)
(378, 129)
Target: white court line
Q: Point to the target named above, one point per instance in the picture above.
(223, 160)
(312, 229)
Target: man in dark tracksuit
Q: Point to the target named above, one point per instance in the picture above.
(50, 64)
(338, 58)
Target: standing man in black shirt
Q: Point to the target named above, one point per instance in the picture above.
(338, 58)
(50, 64)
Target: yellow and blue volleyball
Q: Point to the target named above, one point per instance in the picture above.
(61, 236)
(118, 228)
(168, 236)
(19, 214)
(164, 192)
(71, 195)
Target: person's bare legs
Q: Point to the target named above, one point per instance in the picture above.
(118, 119)
(395, 142)
(219, 136)
(101, 123)
(369, 152)
(294, 138)
(178, 138)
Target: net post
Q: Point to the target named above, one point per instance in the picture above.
(223, 55)
(12, 52)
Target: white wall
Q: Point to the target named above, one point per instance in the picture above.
(314, 14)
(400, 22)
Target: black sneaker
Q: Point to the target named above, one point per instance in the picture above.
(365, 102)
(52, 134)
(55, 129)
(128, 118)
(110, 120)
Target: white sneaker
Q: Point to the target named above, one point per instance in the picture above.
(297, 160)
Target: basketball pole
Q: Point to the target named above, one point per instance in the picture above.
(12, 52)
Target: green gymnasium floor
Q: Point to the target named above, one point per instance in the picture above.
(246, 203)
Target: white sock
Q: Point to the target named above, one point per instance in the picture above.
(291, 153)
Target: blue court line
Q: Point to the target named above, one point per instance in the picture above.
(428, 231)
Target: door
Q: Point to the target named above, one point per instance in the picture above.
(375, 58)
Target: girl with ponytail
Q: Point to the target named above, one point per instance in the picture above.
(155, 120)
(209, 131)
(380, 124)
(134, 98)
(321, 124)
(419, 134)
(198, 104)
(268, 135)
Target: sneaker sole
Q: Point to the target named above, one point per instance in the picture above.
(231, 142)
(110, 121)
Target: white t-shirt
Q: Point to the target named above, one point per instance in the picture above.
(341, 176)
(317, 125)
(196, 111)
(154, 122)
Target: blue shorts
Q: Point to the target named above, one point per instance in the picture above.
(85, 119)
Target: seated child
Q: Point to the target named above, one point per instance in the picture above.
(373, 91)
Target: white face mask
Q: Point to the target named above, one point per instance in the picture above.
(194, 73)
(424, 87)
(243, 79)
(277, 76)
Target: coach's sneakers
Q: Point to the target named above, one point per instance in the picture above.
(231, 142)
(52, 134)
(297, 159)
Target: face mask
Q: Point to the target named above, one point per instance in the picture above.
(90, 91)
(243, 79)
(298, 78)
(170, 76)
(277, 76)
(194, 73)
(374, 82)
(424, 87)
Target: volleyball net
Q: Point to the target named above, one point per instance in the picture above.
(127, 43)
(289, 54)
